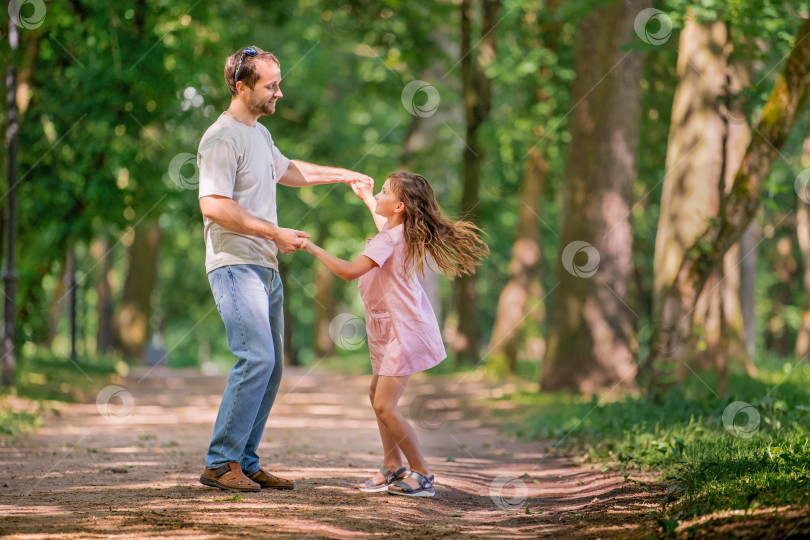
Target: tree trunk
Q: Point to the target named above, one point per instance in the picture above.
(738, 137)
(748, 271)
(324, 311)
(291, 357)
(803, 236)
(513, 317)
(104, 307)
(477, 91)
(803, 239)
(785, 269)
(737, 208)
(514, 306)
(590, 326)
(132, 322)
(58, 301)
(691, 192)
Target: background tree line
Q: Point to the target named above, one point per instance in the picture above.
(637, 167)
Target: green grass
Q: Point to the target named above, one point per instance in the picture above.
(43, 378)
(685, 440)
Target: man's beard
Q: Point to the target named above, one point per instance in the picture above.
(260, 107)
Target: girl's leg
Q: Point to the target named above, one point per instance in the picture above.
(392, 457)
(386, 398)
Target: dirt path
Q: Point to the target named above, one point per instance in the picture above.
(84, 476)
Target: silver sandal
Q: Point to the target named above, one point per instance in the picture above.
(425, 488)
(389, 476)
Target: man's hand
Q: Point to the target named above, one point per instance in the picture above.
(352, 177)
(289, 240)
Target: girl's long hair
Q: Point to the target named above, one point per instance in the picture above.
(455, 246)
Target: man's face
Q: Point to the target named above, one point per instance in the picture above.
(262, 98)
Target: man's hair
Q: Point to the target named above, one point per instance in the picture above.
(247, 72)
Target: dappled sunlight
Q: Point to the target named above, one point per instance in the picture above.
(142, 472)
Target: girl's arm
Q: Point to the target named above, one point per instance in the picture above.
(365, 192)
(343, 269)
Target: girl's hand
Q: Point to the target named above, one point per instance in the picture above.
(304, 245)
(363, 188)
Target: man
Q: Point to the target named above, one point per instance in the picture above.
(239, 168)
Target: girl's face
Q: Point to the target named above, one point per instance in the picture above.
(388, 204)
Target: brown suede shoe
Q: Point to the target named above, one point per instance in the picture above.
(269, 481)
(228, 476)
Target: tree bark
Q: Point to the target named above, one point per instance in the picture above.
(590, 325)
(477, 91)
(749, 256)
(691, 191)
(514, 306)
(803, 237)
(737, 208)
(514, 314)
(738, 137)
(132, 322)
(324, 311)
(58, 301)
(104, 306)
(291, 349)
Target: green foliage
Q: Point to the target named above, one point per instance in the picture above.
(118, 91)
(43, 378)
(684, 437)
(15, 422)
(42, 374)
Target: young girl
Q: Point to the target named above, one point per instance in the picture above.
(403, 334)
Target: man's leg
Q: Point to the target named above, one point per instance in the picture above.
(243, 304)
(275, 315)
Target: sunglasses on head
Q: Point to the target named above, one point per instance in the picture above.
(249, 51)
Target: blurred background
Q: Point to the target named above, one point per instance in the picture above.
(640, 169)
(592, 141)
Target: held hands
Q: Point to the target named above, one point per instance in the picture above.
(289, 240)
(363, 188)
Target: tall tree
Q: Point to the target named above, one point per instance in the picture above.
(590, 340)
(514, 304)
(694, 179)
(477, 94)
(519, 303)
(803, 237)
(737, 208)
(132, 321)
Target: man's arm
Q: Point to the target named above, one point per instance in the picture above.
(231, 215)
(301, 173)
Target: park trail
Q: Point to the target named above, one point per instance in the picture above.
(130, 468)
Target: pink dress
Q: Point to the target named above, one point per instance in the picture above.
(403, 334)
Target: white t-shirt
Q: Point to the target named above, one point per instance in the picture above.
(242, 163)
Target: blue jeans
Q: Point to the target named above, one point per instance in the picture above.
(249, 299)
